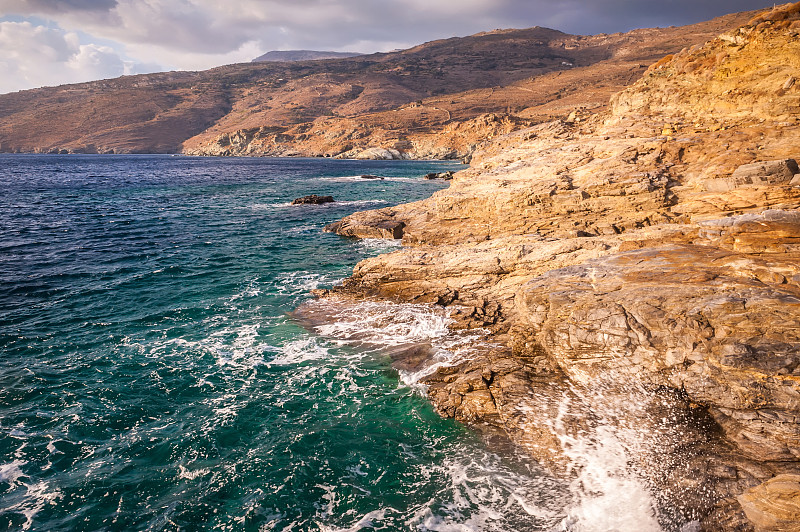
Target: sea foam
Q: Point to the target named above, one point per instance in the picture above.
(387, 326)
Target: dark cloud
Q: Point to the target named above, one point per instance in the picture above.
(608, 16)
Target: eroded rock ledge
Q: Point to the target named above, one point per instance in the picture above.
(639, 270)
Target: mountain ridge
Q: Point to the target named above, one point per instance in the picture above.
(282, 56)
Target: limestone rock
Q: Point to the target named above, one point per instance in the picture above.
(741, 76)
(756, 174)
(772, 231)
(374, 224)
(774, 506)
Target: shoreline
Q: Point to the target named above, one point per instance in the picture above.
(643, 263)
(176, 300)
(248, 156)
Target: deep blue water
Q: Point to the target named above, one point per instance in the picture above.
(151, 377)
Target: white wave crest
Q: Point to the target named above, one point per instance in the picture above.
(302, 282)
(288, 204)
(361, 202)
(252, 289)
(379, 325)
(299, 351)
(485, 494)
(11, 472)
(36, 497)
(376, 179)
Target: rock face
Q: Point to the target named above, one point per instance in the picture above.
(774, 505)
(380, 154)
(640, 270)
(756, 174)
(313, 199)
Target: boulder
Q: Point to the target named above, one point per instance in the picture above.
(447, 176)
(774, 505)
(368, 225)
(313, 199)
(385, 154)
(756, 174)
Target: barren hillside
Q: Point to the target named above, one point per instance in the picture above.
(341, 107)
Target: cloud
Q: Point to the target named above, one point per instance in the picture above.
(198, 34)
(34, 56)
(608, 16)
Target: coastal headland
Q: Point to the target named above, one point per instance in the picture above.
(638, 269)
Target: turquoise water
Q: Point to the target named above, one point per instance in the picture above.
(151, 377)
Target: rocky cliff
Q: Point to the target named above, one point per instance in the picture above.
(639, 269)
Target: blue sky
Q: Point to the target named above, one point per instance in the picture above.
(50, 42)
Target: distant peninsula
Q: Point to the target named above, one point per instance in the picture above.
(288, 56)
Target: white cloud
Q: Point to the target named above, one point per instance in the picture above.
(34, 56)
(181, 60)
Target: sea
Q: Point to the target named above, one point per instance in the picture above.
(154, 374)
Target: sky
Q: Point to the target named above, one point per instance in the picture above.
(52, 42)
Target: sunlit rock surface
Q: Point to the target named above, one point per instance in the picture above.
(640, 272)
(774, 505)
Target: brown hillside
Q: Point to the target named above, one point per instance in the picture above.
(393, 100)
(451, 124)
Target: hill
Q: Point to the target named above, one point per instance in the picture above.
(342, 107)
(285, 56)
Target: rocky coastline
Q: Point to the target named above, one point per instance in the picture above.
(639, 271)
